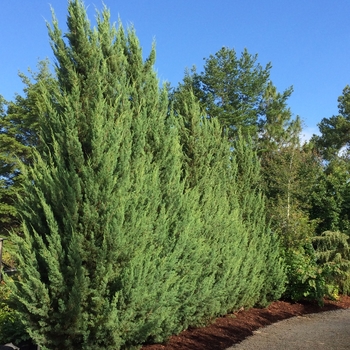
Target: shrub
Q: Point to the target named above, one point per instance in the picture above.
(11, 327)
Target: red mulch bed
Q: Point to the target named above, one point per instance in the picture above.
(234, 328)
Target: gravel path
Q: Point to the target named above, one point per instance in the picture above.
(326, 330)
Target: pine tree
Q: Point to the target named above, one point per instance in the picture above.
(231, 88)
(335, 130)
(278, 129)
(330, 198)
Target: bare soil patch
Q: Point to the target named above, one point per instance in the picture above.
(233, 328)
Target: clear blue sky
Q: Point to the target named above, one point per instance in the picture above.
(307, 41)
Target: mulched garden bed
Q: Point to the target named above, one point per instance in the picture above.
(234, 328)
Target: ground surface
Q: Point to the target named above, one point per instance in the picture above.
(233, 329)
(322, 331)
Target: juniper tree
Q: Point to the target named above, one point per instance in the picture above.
(67, 248)
(97, 255)
(127, 236)
(266, 277)
(18, 134)
(243, 266)
(206, 168)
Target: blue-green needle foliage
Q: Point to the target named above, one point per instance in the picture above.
(134, 221)
(243, 265)
(95, 214)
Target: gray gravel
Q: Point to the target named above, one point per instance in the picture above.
(326, 330)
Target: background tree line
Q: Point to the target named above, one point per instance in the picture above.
(136, 211)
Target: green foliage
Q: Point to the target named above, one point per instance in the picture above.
(305, 279)
(11, 327)
(253, 210)
(238, 92)
(330, 199)
(18, 134)
(117, 247)
(321, 268)
(231, 204)
(277, 130)
(231, 88)
(137, 221)
(335, 130)
(95, 225)
(289, 176)
(333, 256)
(7, 146)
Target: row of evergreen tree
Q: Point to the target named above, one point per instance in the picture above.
(137, 211)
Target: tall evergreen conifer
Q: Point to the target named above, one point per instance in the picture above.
(244, 258)
(99, 246)
(18, 134)
(206, 168)
(134, 223)
(263, 268)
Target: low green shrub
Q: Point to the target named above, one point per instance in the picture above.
(11, 327)
(333, 257)
(305, 277)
